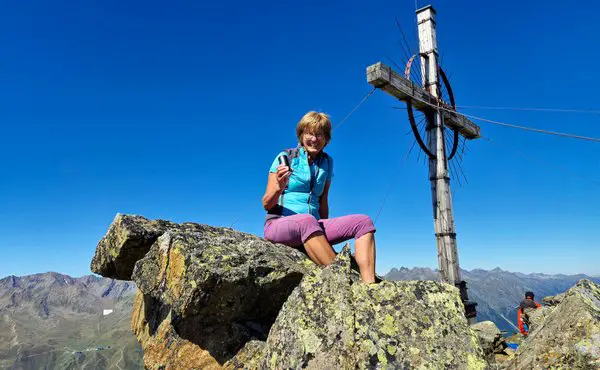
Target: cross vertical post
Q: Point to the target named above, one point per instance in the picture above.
(439, 178)
(439, 115)
(438, 165)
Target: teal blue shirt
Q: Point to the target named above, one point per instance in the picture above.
(298, 198)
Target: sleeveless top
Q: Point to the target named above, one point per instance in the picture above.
(305, 186)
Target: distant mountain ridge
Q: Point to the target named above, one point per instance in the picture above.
(54, 321)
(498, 292)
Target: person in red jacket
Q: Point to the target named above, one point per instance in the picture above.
(522, 318)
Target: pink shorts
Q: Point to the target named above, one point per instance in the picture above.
(296, 229)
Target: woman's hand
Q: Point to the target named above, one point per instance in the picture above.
(275, 186)
(283, 176)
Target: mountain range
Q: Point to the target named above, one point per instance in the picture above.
(54, 321)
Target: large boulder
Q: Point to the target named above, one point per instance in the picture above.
(566, 335)
(332, 321)
(220, 275)
(205, 293)
(222, 288)
(128, 239)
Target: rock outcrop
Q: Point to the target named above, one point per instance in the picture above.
(219, 288)
(128, 239)
(491, 340)
(204, 292)
(333, 322)
(553, 300)
(216, 298)
(565, 335)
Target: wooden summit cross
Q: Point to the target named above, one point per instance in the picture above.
(438, 114)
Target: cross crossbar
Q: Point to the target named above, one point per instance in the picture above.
(381, 76)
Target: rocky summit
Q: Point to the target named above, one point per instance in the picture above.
(333, 321)
(564, 334)
(216, 298)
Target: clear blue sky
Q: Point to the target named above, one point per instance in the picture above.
(176, 111)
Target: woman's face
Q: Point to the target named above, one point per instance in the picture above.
(313, 142)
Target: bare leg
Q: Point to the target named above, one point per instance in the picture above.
(365, 257)
(319, 250)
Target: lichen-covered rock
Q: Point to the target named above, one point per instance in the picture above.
(535, 316)
(248, 357)
(128, 239)
(566, 335)
(163, 348)
(220, 275)
(501, 358)
(217, 288)
(331, 321)
(209, 297)
(490, 338)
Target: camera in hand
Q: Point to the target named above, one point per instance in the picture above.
(284, 160)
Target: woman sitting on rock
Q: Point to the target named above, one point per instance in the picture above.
(296, 200)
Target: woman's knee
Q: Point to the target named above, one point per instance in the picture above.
(365, 220)
(364, 225)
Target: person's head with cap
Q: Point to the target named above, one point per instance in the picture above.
(529, 295)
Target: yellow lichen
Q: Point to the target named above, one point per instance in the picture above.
(273, 360)
(382, 358)
(475, 362)
(389, 326)
(391, 349)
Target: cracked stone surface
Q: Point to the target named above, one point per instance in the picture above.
(333, 321)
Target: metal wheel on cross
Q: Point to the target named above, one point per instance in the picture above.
(418, 119)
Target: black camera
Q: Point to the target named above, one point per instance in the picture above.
(284, 160)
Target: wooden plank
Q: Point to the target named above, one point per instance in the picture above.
(381, 76)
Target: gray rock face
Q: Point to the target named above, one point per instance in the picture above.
(223, 287)
(220, 274)
(566, 335)
(331, 321)
(128, 239)
(534, 317)
(204, 292)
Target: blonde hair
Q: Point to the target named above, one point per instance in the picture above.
(314, 122)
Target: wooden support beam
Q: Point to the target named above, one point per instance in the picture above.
(381, 76)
